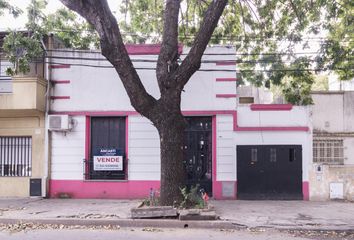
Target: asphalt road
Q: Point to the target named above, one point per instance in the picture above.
(152, 234)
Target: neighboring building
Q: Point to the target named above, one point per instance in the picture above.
(332, 174)
(22, 131)
(248, 94)
(250, 151)
(334, 84)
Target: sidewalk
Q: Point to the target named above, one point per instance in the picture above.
(233, 214)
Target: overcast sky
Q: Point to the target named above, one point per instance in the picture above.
(7, 21)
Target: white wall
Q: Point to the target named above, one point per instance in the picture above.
(99, 88)
(144, 150)
(68, 152)
(225, 149)
(297, 117)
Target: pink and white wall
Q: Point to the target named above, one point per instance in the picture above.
(85, 85)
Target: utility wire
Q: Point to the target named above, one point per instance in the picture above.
(215, 70)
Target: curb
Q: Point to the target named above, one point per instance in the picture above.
(169, 223)
(139, 223)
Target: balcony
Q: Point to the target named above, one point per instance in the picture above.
(27, 96)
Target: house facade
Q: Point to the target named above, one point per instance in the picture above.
(332, 174)
(22, 131)
(108, 150)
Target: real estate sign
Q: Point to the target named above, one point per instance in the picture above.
(107, 159)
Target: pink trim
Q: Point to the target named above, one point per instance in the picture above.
(226, 63)
(271, 107)
(87, 143)
(215, 188)
(147, 49)
(217, 191)
(129, 113)
(96, 113)
(272, 129)
(226, 79)
(59, 66)
(306, 191)
(111, 190)
(226, 95)
(60, 81)
(126, 147)
(59, 97)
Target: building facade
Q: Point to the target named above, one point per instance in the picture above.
(332, 174)
(233, 151)
(22, 131)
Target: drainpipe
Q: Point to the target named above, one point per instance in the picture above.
(48, 73)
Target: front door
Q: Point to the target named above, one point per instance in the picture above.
(269, 172)
(198, 153)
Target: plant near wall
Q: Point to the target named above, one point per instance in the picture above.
(192, 197)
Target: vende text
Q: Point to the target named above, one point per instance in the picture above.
(107, 159)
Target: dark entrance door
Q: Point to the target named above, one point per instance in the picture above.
(271, 172)
(107, 133)
(198, 152)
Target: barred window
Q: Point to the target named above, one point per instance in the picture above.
(15, 156)
(328, 151)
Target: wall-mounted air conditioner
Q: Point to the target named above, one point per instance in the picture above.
(60, 123)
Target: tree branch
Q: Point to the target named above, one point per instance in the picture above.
(193, 60)
(167, 61)
(100, 16)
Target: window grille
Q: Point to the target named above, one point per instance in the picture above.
(15, 156)
(328, 151)
(273, 155)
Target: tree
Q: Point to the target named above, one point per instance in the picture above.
(21, 48)
(4, 5)
(70, 29)
(269, 36)
(165, 112)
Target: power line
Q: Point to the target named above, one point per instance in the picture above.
(237, 61)
(205, 54)
(216, 70)
(225, 37)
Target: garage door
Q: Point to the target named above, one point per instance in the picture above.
(272, 172)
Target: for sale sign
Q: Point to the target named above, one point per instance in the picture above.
(107, 160)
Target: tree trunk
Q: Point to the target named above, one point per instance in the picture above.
(171, 132)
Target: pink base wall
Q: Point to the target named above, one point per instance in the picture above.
(306, 191)
(113, 190)
(128, 189)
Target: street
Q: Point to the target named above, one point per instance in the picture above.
(97, 233)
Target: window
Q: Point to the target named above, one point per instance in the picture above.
(245, 100)
(5, 80)
(328, 151)
(254, 157)
(107, 155)
(15, 156)
(273, 155)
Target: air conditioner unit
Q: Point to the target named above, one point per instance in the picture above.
(60, 123)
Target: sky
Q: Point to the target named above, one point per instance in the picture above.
(7, 21)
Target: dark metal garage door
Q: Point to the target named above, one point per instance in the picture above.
(271, 172)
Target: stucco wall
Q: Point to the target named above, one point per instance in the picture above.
(333, 118)
(105, 92)
(24, 126)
